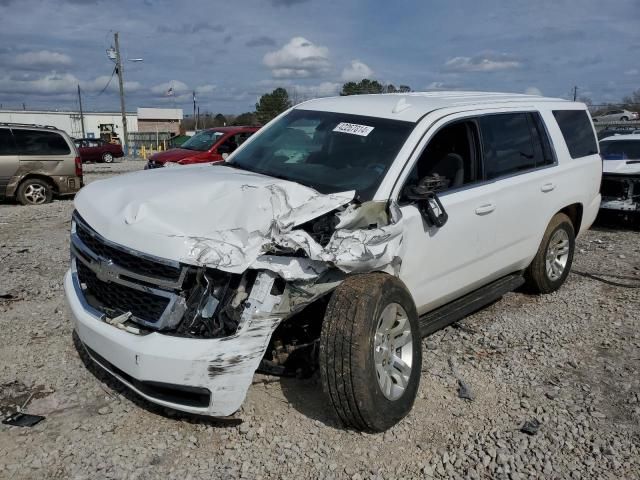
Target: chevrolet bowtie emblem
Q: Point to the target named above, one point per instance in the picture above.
(105, 271)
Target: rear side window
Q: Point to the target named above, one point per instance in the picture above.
(577, 132)
(7, 146)
(511, 142)
(34, 142)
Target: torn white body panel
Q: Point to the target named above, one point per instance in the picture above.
(201, 215)
(237, 219)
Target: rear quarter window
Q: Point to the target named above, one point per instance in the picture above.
(7, 147)
(35, 142)
(577, 132)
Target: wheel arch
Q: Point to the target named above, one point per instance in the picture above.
(38, 176)
(574, 212)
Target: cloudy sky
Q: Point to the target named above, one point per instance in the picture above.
(232, 52)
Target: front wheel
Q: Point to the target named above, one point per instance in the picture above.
(370, 352)
(624, 119)
(107, 157)
(551, 265)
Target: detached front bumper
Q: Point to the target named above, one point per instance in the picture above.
(201, 376)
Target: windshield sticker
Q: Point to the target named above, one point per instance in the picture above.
(353, 129)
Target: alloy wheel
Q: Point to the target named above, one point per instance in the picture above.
(393, 351)
(557, 255)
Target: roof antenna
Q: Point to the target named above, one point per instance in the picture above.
(401, 106)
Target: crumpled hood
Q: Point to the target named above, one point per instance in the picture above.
(621, 167)
(210, 215)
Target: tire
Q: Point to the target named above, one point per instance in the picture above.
(34, 191)
(107, 157)
(624, 119)
(595, 120)
(559, 244)
(350, 374)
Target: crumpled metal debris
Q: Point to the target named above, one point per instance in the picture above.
(240, 220)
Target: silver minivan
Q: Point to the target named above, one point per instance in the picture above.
(37, 163)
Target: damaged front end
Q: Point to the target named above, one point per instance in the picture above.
(203, 325)
(620, 192)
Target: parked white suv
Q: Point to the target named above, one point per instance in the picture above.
(338, 235)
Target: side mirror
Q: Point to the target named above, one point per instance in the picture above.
(425, 196)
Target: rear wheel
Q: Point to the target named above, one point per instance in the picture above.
(34, 191)
(551, 265)
(624, 119)
(107, 157)
(370, 352)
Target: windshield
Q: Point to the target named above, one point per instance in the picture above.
(202, 141)
(329, 152)
(620, 149)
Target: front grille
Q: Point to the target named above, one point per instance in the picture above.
(614, 188)
(124, 259)
(113, 298)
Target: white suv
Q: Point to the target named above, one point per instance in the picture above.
(337, 236)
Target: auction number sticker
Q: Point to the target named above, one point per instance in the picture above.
(353, 129)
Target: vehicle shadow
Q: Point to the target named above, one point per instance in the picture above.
(306, 396)
(613, 222)
(112, 384)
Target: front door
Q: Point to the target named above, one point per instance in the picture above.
(441, 264)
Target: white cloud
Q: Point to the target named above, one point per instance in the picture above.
(179, 88)
(99, 83)
(42, 59)
(205, 89)
(488, 62)
(299, 58)
(442, 86)
(532, 91)
(324, 89)
(49, 84)
(356, 71)
(633, 71)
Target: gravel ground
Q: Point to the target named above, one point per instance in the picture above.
(569, 360)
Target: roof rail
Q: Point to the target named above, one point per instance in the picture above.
(10, 124)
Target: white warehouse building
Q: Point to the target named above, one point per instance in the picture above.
(99, 124)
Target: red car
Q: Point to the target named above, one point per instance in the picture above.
(211, 145)
(97, 150)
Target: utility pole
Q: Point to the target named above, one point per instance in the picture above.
(125, 133)
(198, 117)
(575, 92)
(81, 113)
(195, 124)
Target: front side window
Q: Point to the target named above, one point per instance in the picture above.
(329, 152)
(620, 149)
(35, 142)
(451, 154)
(577, 132)
(7, 146)
(507, 144)
(202, 141)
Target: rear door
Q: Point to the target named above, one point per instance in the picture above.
(519, 161)
(43, 151)
(8, 159)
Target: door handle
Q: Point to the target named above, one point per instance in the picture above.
(486, 208)
(547, 187)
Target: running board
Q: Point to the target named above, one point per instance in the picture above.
(458, 309)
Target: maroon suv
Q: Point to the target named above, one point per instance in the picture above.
(211, 145)
(97, 150)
